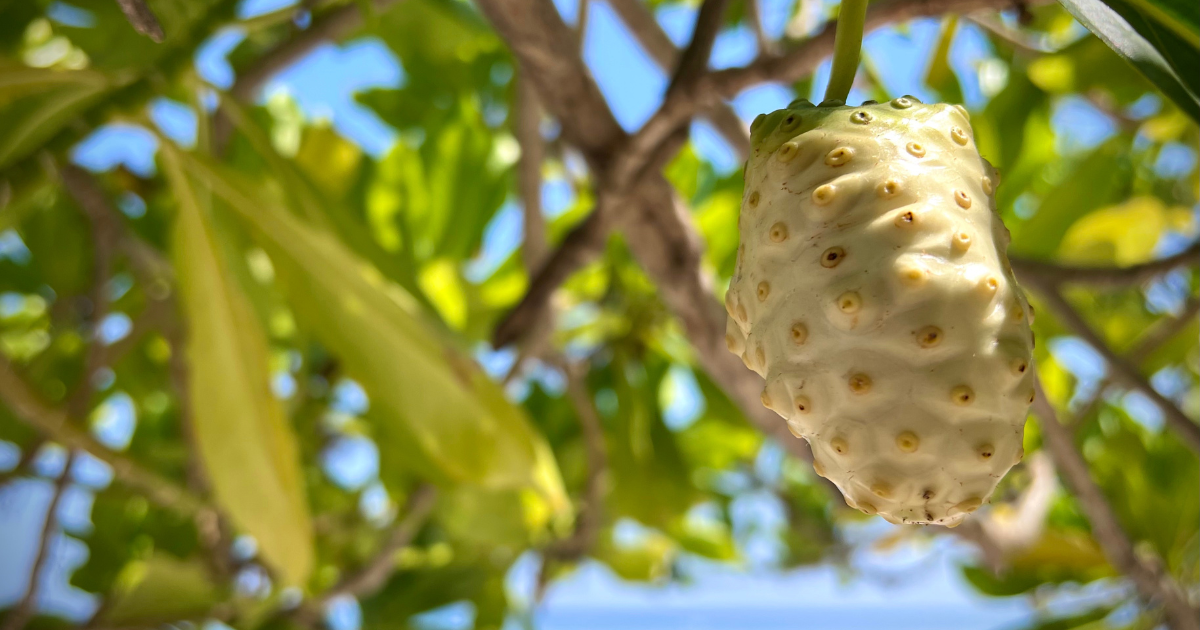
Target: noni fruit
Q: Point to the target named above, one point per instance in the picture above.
(873, 293)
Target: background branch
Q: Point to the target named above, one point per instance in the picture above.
(1120, 367)
(1052, 274)
(52, 423)
(142, 18)
(1151, 581)
(27, 606)
(372, 577)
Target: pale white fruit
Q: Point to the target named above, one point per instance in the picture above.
(873, 294)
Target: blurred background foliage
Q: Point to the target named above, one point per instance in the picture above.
(258, 345)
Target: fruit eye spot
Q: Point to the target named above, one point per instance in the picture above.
(803, 405)
(928, 494)
(788, 151)
(962, 199)
(839, 445)
(888, 188)
(839, 156)
(961, 242)
(908, 442)
(741, 313)
(799, 333)
(988, 187)
(860, 383)
(764, 289)
(753, 199)
(988, 286)
(962, 395)
(849, 302)
(916, 149)
(790, 123)
(861, 118)
(929, 336)
(986, 451)
(823, 194)
(914, 276)
(906, 219)
(730, 342)
(902, 103)
(958, 135)
(779, 233)
(766, 398)
(881, 490)
(832, 257)
(1019, 366)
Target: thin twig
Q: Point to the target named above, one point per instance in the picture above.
(374, 575)
(143, 19)
(28, 455)
(1152, 583)
(331, 26)
(754, 17)
(52, 423)
(662, 50)
(1163, 331)
(25, 608)
(1049, 273)
(694, 60)
(591, 513)
(1120, 367)
(527, 128)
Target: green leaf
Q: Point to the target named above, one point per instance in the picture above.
(36, 103)
(1159, 52)
(1125, 234)
(434, 411)
(241, 434)
(1095, 182)
(160, 590)
(940, 76)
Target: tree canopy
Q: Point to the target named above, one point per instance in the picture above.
(507, 313)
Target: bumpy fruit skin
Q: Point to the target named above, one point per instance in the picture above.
(873, 294)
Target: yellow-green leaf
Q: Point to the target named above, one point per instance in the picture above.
(434, 410)
(160, 590)
(1125, 234)
(244, 442)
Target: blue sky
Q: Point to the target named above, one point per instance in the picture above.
(912, 586)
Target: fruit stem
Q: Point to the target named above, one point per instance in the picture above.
(847, 43)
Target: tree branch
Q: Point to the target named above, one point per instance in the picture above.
(26, 607)
(333, 25)
(527, 128)
(371, 578)
(142, 18)
(574, 104)
(1120, 367)
(1151, 581)
(694, 61)
(1051, 274)
(754, 17)
(52, 423)
(651, 36)
(591, 513)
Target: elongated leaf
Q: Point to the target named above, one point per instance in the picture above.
(435, 412)
(36, 103)
(1169, 62)
(245, 444)
(160, 590)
